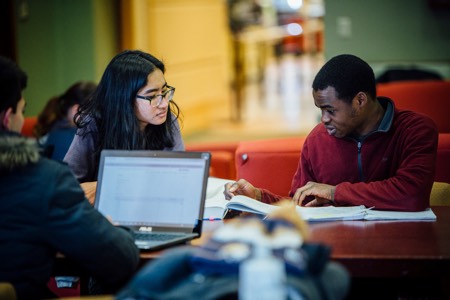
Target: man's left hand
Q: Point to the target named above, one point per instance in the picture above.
(323, 193)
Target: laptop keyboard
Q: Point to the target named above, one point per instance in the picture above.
(156, 236)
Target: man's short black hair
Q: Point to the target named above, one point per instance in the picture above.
(348, 75)
(12, 82)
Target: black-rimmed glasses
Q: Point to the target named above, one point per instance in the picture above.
(156, 100)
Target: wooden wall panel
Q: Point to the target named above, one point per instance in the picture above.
(192, 38)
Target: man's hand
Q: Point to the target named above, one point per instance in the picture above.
(324, 194)
(241, 187)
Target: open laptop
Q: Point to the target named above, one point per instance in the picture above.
(154, 193)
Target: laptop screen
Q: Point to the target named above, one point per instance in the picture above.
(152, 188)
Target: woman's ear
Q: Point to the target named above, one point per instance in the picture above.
(71, 112)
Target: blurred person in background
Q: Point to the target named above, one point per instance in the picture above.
(56, 127)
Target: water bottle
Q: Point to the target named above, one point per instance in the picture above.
(262, 276)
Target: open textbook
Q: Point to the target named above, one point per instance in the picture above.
(216, 207)
(215, 204)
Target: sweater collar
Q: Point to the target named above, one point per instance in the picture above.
(386, 122)
(388, 117)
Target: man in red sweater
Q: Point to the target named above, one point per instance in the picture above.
(365, 152)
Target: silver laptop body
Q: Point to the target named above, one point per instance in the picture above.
(154, 193)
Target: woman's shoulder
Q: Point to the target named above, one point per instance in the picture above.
(87, 126)
(88, 122)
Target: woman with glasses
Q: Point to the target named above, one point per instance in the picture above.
(131, 109)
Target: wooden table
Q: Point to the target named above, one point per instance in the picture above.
(385, 257)
(389, 248)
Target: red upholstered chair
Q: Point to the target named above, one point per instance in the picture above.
(428, 97)
(28, 125)
(222, 157)
(270, 163)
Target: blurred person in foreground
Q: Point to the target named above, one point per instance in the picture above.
(56, 127)
(131, 109)
(365, 152)
(43, 211)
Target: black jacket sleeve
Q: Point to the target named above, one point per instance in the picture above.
(82, 234)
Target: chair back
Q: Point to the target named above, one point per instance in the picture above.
(270, 163)
(7, 291)
(440, 194)
(431, 98)
(28, 126)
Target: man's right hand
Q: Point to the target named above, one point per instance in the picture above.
(241, 187)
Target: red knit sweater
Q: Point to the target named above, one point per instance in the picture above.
(393, 171)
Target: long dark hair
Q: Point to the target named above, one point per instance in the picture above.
(112, 107)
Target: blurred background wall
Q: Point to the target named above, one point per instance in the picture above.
(58, 42)
(387, 33)
(191, 37)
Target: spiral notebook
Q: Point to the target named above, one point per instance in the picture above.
(154, 193)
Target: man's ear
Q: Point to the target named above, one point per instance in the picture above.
(361, 99)
(6, 117)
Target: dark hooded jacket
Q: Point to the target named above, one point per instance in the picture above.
(43, 211)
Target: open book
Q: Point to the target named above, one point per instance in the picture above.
(215, 204)
(216, 207)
